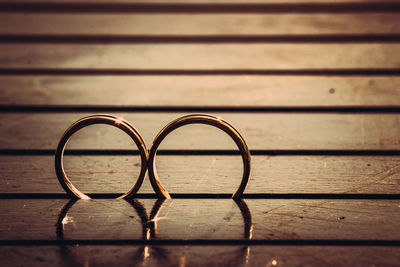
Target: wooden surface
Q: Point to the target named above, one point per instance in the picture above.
(270, 219)
(208, 174)
(183, 24)
(262, 131)
(191, 255)
(313, 86)
(212, 56)
(202, 90)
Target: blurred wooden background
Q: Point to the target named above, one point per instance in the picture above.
(313, 86)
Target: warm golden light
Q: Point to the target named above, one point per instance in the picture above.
(251, 232)
(182, 261)
(118, 121)
(146, 253)
(273, 262)
(148, 234)
(156, 219)
(67, 219)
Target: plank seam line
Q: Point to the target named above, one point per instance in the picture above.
(203, 152)
(227, 109)
(182, 39)
(201, 72)
(299, 242)
(198, 8)
(337, 196)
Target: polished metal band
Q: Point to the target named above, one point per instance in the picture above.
(99, 119)
(198, 119)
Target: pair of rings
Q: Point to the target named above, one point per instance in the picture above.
(148, 157)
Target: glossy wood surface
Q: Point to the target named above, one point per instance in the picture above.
(313, 87)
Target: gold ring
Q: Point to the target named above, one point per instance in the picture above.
(99, 119)
(198, 119)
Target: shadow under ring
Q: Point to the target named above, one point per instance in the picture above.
(99, 119)
(199, 119)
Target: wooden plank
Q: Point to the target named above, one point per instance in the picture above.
(260, 130)
(255, 91)
(44, 214)
(199, 255)
(207, 174)
(172, 24)
(202, 57)
(213, 219)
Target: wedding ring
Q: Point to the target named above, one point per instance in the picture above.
(198, 119)
(99, 119)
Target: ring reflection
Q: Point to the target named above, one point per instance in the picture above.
(153, 253)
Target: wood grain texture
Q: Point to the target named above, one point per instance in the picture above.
(260, 130)
(271, 219)
(207, 174)
(193, 255)
(236, 91)
(202, 57)
(172, 24)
